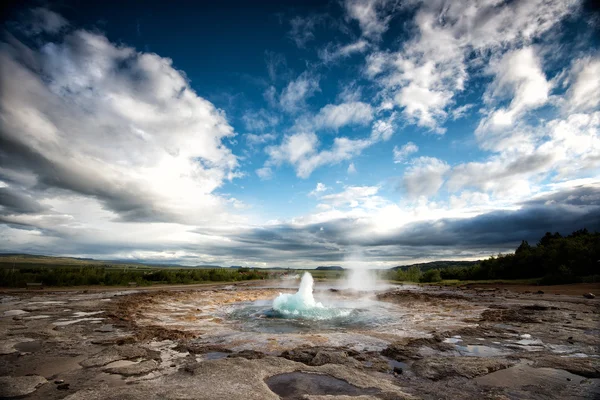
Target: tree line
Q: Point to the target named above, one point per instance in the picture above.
(555, 259)
(100, 275)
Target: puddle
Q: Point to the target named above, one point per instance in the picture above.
(480, 351)
(296, 385)
(29, 347)
(396, 364)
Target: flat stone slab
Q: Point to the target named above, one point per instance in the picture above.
(437, 368)
(16, 386)
(141, 368)
(116, 353)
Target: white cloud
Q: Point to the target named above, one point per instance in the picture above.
(136, 138)
(332, 53)
(383, 129)
(335, 116)
(354, 196)
(259, 121)
(44, 20)
(293, 96)
(584, 92)
(373, 16)
(351, 169)
(424, 76)
(301, 151)
(563, 148)
(320, 188)
(424, 177)
(302, 29)
(264, 173)
(254, 140)
(518, 76)
(401, 154)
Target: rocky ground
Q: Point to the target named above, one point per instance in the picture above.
(442, 343)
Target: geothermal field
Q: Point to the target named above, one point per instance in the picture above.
(297, 339)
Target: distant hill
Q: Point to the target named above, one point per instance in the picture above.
(332, 268)
(9, 259)
(437, 265)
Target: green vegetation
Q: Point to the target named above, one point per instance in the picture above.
(17, 273)
(438, 265)
(555, 259)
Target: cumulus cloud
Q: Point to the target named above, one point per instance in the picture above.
(584, 93)
(320, 188)
(86, 116)
(255, 140)
(518, 76)
(426, 73)
(264, 173)
(259, 121)
(335, 116)
(354, 196)
(402, 153)
(293, 96)
(383, 129)
(301, 151)
(424, 177)
(373, 16)
(42, 20)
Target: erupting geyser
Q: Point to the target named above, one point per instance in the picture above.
(300, 301)
(302, 304)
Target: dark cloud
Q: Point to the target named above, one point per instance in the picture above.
(467, 237)
(15, 202)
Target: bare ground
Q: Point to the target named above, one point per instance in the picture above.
(476, 342)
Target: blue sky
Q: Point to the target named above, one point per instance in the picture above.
(300, 133)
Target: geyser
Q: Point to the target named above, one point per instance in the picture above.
(302, 304)
(300, 301)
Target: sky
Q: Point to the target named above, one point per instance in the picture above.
(297, 133)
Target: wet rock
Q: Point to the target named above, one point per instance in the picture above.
(194, 348)
(59, 381)
(329, 357)
(525, 314)
(589, 296)
(303, 356)
(118, 353)
(105, 328)
(316, 356)
(411, 351)
(436, 368)
(141, 368)
(248, 354)
(588, 367)
(115, 340)
(17, 386)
